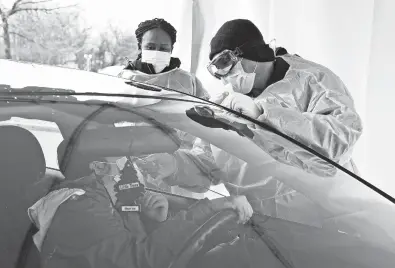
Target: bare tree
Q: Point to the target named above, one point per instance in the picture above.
(122, 45)
(54, 38)
(23, 6)
(113, 46)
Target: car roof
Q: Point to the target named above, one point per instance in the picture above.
(18, 77)
(20, 74)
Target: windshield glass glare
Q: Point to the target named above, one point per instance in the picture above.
(195, 151)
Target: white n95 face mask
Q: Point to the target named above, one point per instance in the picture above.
(159, 59)
(241, 81)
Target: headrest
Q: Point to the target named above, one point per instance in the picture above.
(21, 157)
(72, 163)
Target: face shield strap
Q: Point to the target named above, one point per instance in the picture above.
(273, 46)
(255, 46)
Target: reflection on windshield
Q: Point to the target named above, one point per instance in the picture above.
(294, 212)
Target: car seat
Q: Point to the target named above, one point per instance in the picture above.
(22, 165)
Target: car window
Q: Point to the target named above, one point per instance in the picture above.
(47, 134)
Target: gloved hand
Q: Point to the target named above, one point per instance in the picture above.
(238, 203)
(238, 102)
(242, 206)
(218, 98)
(126, 74)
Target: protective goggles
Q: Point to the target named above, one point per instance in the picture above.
(224, 62)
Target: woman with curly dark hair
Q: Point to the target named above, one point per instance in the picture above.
(155, 64)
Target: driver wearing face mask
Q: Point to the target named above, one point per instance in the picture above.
(155, 64)
(97, 218)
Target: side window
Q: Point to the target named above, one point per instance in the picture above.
(47, 133)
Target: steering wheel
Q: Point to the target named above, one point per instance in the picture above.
(199, 237)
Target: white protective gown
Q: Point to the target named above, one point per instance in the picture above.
(310, 104)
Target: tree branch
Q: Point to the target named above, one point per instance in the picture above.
(2, 11)
(15, 5)
(12, 12)
(35, 2)
(27, 38)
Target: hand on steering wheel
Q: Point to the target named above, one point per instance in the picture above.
(234, 208)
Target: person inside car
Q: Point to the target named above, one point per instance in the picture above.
(94, 218)
(155, 64)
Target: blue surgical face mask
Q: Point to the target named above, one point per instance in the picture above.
(241, 81)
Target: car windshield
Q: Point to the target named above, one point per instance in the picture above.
(307, 212)
(196, 133)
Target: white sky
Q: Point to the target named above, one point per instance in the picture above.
(128, 13)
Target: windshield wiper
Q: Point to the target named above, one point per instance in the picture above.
(144, 86)
(8, 93)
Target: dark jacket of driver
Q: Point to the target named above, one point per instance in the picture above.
(79, 227)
